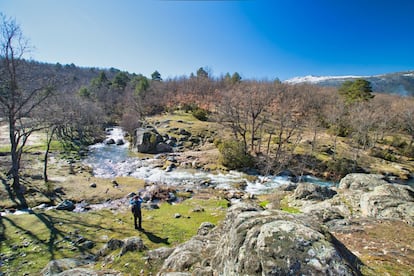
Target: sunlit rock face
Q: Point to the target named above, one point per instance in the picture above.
(253, 241)
(357, 195)
(372, 196)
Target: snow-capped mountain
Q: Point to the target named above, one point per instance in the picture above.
(401, 83)
(318, 79)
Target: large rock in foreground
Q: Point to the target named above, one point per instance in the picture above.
(252, 241)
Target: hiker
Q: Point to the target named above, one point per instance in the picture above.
(136, 210)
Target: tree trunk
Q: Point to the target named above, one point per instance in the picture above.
(253, 134)
(14, 156)
(49, 141)
(334, 149)
(268, 144)
(315, 132)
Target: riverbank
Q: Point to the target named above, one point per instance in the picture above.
(63, 234)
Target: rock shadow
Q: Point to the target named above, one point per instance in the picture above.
(154, 238)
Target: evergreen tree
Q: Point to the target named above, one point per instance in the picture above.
(100, 81)
(141, 84)
(356, 91)
(84, 92)
(235, 78)
(227, 78)
(120, 81)
(156, 76)
(201, 73)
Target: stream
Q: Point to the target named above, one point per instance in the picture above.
(111, 160)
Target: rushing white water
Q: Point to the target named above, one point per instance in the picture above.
(109, 161)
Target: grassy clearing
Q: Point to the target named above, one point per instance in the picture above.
(183, 120)
(29, 242)
(76, 188)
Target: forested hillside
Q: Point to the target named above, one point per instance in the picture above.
(272, 126)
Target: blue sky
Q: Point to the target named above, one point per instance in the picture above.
(261, 39)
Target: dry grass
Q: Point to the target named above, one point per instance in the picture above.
(386, 247)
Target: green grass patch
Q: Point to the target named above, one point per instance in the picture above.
(264, 203)
(56, 146)
(29, 242)
(5, 148)
(284, 206)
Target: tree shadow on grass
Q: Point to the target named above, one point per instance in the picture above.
(2, 230)
(54, 233)
(8, 190)
(55, 236)
(17, 198)
(12, 223)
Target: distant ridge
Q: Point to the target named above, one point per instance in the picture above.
(400, 83)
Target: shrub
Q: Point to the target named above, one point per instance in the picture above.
(384, 154)
(398, 142)
(189, 107)
(340, 167)
(233, 155)
(408, 151)
(200, 114)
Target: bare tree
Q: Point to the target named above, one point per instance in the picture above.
(385, 115)
(17, 99)
(335, 114)
(243, 109)
(233, 114)
(407, 117)
(286, 121)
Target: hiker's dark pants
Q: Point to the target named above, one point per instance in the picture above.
(137, 215)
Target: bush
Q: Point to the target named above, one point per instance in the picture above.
(340, 130)
(189, 107)
(408, 151)
(200, 114)
(398, 142)
(384, 154)
(338, 168)
(233, 155)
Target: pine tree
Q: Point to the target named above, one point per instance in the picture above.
(359, 90)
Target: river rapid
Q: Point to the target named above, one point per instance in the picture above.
(111, 160)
